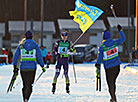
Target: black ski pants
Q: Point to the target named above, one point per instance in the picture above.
(111, 75)
(28, 79)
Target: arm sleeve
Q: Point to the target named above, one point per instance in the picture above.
(121, 39)
(100, 56)
(16, 55)
(56, 47)
(39, 56)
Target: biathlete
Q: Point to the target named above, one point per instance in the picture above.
(28, 52)
(61, 49)
(108, 53)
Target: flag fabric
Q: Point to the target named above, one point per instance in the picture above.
(85, 15)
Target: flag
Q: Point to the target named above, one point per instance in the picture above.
(85, 15)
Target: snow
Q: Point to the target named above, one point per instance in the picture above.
(82, 91)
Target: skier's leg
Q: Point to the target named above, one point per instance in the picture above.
(65, 66)
(111, 75)
(28, 80)
(23, 76)
(58, 68)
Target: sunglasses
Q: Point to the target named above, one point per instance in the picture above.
(64, 34)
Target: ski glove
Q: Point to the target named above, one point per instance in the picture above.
(43, 69)
(72, 49)
(15, 70)
(119, 27)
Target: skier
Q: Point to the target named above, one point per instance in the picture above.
(61, 49)
(108, 52)
(27, 52)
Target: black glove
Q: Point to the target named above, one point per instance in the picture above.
(15, 70)
(119, 27)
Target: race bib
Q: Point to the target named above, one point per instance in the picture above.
(109, 54)
(28, 54)
(62, 50)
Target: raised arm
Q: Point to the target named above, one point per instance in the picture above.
(122, 36)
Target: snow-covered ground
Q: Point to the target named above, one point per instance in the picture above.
(82, 91)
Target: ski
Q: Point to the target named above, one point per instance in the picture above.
(67, 88)
(12, 82)
(98, 81)
(14, 77)
(53, 92)
(68, 93)
(53, 88)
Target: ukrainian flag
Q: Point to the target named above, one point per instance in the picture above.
(85, 15)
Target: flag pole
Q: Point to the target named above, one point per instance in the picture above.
(78, 39)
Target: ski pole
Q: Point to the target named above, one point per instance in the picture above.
(38, 78)
(114, 14)
(113, 11)
(74, 69)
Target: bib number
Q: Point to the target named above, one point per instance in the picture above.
(62, 50)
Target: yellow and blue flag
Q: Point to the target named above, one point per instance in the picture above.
(85, 15)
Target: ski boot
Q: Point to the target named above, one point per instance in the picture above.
(53, 88)
(67, 88)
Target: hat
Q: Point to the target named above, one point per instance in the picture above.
(106, 35)
(28, 34)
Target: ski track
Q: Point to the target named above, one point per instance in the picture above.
(82, 91)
